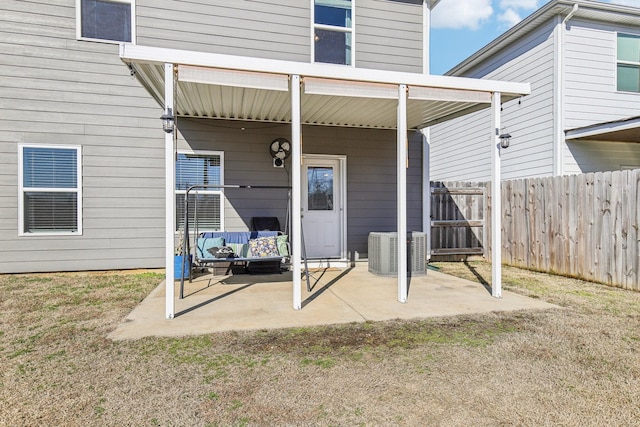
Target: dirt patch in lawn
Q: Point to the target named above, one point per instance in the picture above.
(577, 365)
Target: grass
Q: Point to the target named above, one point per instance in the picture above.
(576, 365)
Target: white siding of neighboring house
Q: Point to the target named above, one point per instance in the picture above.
(57, 90)
(591, 97)
(461, 148)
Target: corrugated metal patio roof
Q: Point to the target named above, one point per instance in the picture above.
(238, 88)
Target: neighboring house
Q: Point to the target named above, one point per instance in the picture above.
(582, 59)
(89, 180)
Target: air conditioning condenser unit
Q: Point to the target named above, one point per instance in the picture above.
(383, 253)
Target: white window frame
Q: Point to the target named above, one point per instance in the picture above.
(219, 191)
(79, 23)
(618, 61)
(22, 189)
(351, 30)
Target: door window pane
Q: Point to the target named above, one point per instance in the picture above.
(319, 188)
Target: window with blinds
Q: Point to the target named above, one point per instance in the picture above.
(50, 199)
(205, 205)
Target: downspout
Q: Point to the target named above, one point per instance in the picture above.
(426, 36)
(559, 141)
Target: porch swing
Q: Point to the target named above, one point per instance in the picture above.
(262, 249)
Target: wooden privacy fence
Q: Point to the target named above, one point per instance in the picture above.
(584, 226)
(457, 219)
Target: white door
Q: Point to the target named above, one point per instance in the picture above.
(322, 210)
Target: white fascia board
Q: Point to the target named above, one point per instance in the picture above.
(601, 128)
(142, 54)
(233, 78)
(316, 86)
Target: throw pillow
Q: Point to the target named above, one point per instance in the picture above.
(263, 247)
(281, 241)
(204, 243)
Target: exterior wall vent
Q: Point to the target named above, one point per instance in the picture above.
(383, 253)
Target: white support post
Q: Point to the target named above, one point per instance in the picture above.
(496, 198)
(170, 198)
(402, 160)
(296, 205)
(426, 187)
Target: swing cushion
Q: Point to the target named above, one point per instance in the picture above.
(237, 240)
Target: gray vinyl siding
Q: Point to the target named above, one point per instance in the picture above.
(389, 35)
(461, 148)
(590, 76)
(371, 172)
(388, 32)
(261, 29)
(55, 89)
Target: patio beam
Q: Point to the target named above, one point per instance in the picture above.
(402, 160)
(296, 162)
(170, 199)
(496, 198)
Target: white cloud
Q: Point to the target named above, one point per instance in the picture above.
(634, 3)
(509, 17)
(519, 4)
(461, 14)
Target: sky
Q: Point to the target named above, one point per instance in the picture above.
(459, 28)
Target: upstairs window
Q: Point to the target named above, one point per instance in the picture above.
(628, 63)
(200, 168)
(50, 191)
(110, 20)
(333, 31)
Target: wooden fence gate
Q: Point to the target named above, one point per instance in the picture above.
(458, 212)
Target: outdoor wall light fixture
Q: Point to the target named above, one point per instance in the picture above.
(168, 121)
(505, 138)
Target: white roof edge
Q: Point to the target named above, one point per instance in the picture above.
(515, 32)
(605, 127)
(147, 54)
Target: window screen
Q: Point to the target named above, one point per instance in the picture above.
(106, 20)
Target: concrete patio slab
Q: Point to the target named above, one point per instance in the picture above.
(253, 302)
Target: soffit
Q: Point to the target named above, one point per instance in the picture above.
(222, 93)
